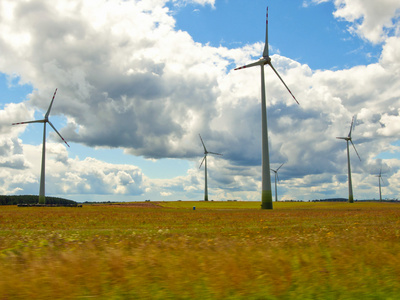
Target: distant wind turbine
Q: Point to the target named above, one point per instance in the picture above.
(42, 199)
(266, 193)
(276, 178)
(380, 178)
(347, 139)
(205, 168)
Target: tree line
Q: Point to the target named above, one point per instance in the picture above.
(31, 199)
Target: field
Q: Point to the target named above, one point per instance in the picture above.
(221, 250)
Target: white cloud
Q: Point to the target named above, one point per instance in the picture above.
(307, 3)
(200, 2)
(165, 194)
(372, 20)
(72, 176)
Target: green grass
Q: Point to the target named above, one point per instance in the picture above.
(221, 250)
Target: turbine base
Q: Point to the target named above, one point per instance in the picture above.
(351, 200)
(266, 200)
(42, 200)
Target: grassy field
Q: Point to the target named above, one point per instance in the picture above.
(221, 250)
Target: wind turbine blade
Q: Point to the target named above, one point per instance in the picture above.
(265, 52)
(51, 104)
(355, 149)
(257, 63)
(205, 150)
(214, 153)
(279, 167)
(273, 170)
(277, 176)
(202, 161)
(341, 138)
(36, 121)
(58, 133)
(283, 83)
(351, 127)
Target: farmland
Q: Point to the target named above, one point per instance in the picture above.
(221, 250)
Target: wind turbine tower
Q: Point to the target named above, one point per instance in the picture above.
(276, 178)
(379, 181)
(266, 193)
(42, 199)
(205, 168)
(348, 139)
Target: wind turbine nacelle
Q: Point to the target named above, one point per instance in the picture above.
(266, 59)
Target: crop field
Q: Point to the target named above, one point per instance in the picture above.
(220, 250)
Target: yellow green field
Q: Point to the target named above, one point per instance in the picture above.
(221, 250)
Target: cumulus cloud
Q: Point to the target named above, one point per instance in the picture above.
(120, 79)
(129, 79)
(73, 177)
(200, 2)
(372, 20)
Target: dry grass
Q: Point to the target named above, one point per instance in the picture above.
(222, 250)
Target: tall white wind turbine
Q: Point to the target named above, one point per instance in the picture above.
(205, 168)
(348, 139)
(42, 199)
(276, 178)
(266, 193)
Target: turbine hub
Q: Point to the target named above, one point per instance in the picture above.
(266, 60)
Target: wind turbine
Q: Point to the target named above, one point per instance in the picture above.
(276, 178)
(42, 199)
(266, 193)
(205, 167)
(347, 139)
(380, 178)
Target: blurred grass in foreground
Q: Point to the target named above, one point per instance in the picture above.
(221, 250)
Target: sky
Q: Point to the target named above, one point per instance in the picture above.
(138, 81)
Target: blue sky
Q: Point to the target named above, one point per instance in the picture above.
(138, 81)
(309, 34)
